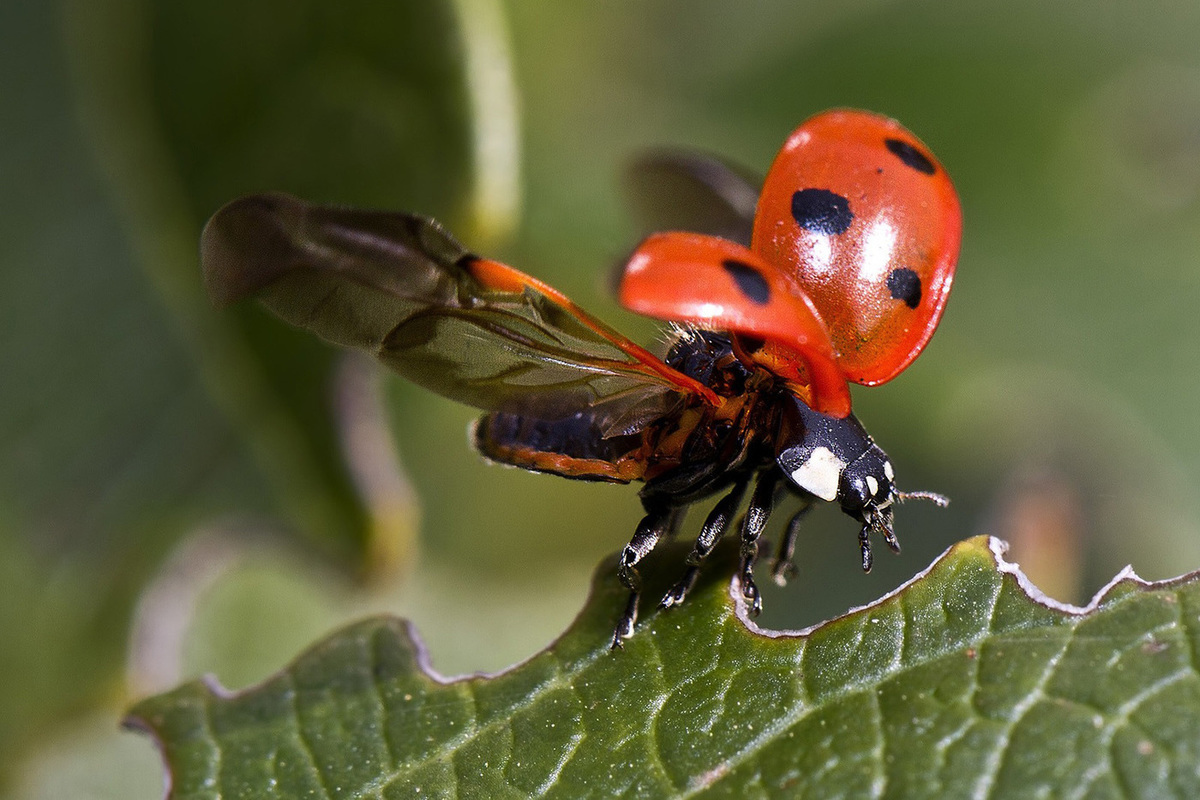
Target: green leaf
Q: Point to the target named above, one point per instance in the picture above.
(964, 682)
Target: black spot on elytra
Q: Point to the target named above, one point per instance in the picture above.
(821, 211)
(749, 280)
(910, 155)
(904, 284)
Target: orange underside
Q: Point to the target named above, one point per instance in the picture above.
(624, 470)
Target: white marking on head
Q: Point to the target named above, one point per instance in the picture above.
(820, 474)
(872, 485)
(887, 470)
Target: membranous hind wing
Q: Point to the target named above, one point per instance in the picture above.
(398, 286)
(678, 190)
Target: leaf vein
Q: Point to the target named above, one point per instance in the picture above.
(470, 734)
(879, 751)
(800, 712)
(988, 629)
(302, 737)
(384, 734)
(651, 732)
(552, 779)
(206, 705)
(987, 784)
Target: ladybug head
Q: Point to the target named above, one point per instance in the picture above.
(865, 487)
(835, 459)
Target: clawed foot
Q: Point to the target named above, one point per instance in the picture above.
(625, 625)
(889, 537)
(751, 595)
(679, 591)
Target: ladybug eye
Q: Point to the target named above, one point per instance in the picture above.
(904, 284)
(750, 281)
(910, 156)
(821, 211)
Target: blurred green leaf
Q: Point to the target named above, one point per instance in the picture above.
(263, 607)
(90, 762)
(126, 124)
(961, 683)
(190, 106)
(106, 437)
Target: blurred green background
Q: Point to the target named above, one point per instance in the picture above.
(186, 491)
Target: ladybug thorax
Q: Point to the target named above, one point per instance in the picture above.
(835, 459)
(750, 397)
(708, 357)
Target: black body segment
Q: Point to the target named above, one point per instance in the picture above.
(573, 447)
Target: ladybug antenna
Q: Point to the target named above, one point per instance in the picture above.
(940, 499)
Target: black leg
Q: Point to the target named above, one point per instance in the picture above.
(659, 521)
(757, 514)
(784, 568)
(864, 544)
(714, 528)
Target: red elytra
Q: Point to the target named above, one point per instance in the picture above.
(860, 222)
(720, 285)
(878, 269)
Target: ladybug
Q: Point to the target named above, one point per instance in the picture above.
(839, 275)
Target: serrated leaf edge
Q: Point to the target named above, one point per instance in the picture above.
(997, 550)
(994, 547)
